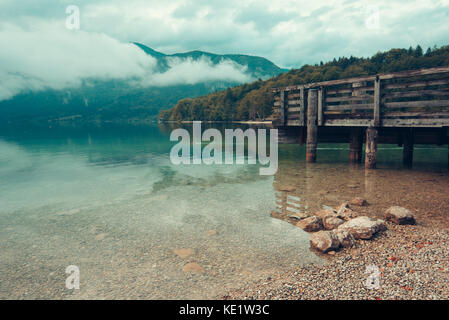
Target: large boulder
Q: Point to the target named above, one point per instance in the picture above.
(310, 224)
(345, 238)
(332, 222)
(399, 215)
(363, 227)
(324, 241)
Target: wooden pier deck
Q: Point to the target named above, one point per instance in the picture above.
(404, 108)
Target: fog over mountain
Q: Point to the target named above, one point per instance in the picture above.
(93, 76)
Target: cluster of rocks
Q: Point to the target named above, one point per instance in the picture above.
(340, 227)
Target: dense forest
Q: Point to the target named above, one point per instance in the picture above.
(254, 101)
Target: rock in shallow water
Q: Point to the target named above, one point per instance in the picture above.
(331, 222)
(324, 213)
(363, 227)
(357, 201)
(399, 215)
(310, 224)
(193, 267)
(324, 241)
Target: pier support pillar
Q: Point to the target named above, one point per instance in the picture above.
(312, 129)
(407, 153)
(371, 148)
(355, 145)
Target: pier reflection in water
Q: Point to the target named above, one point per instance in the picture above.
(304, 188)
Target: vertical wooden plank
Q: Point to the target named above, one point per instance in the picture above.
(371, 148)
(377, 102)
(312, 129)
(302, 107)
(320, 106)
(282, 107)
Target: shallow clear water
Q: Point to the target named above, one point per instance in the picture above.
(108, 200)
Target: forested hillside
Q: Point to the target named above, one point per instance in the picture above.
(124, 100)
(254, 101)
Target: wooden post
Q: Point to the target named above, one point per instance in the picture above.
(312, 129)
(407, 153)
(282, 107)
(320, 106)
(377, 102)
(302, 108)
(355, 145)
(371, 148)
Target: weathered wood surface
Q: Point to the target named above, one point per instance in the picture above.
(371, 148)
(312, 130)
(415, 98)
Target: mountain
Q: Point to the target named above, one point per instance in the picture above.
(258, 67)
(119, 100)
(254, 101)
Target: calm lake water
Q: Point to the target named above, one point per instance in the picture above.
(108, 200)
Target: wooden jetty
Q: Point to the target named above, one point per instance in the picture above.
(403, 108)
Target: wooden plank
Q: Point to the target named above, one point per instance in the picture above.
(294, 109)
(294, 123)
(348, 90)
(282, 107)
(303, 107)
(415, 114)
(421, 104)
(312, 128)
(416, 84)
(320, 106)
(411, 94)
(277, 103)
(341, 107)
(376, 110)
(415, 122)
(293, 102)
(349, 98)
(348, 122)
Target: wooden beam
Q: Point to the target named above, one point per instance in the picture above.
(320, 106)
(377, 102)
(282, 107)
(312, 129)
(371, 148)
(303, 108)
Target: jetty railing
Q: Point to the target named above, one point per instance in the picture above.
(408, 99)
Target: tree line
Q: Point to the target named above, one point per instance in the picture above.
(254, 101)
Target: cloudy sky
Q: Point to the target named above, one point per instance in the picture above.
(36, 41)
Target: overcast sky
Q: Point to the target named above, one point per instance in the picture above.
(288, 32)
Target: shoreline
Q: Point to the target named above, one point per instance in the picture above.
(412, 259)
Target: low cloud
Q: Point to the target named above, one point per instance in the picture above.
(40, 55)
(189, 71)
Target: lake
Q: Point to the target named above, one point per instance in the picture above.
(108, 200)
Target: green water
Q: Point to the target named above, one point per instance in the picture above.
(108, 200)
